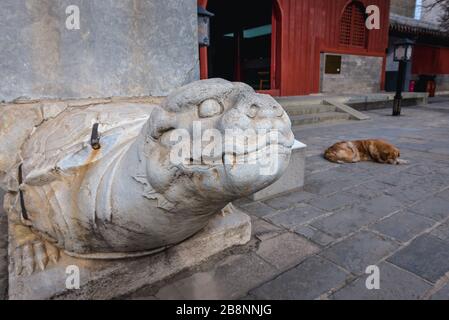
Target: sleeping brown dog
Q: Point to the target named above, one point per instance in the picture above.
(364, 150)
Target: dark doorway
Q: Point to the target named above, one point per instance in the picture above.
(241, 40)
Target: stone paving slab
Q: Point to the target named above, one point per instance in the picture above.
(262, 230)
(408, 195)
(344, 222)
(422, 170)
(403, 226)
(289, 200)
(444, 194)
(435, 208)
(314, 235)
(359, 251)
(326, 187)
(380, 206)
(441, 232)
(434, 183)
(368, 190)
(295, 216)
(311, 279)
(402, 178)
(426, 256)
(231, 278)
(286, 250)
(317, 163)
(258, 209)
(442, 294)
(395, 284)
(334, 202)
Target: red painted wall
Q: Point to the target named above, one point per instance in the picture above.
(309, 27)
(430, 60)
(313, 26)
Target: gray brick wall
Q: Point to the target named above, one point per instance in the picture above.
(403, 7)
(359, 74)
(442, 82)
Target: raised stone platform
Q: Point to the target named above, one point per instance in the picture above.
(114, 278)
(292, 179)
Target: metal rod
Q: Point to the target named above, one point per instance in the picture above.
(399, 87)
(95, 138)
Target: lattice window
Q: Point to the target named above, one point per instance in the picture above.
(352, 26)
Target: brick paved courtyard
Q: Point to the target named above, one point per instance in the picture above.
(316, 243)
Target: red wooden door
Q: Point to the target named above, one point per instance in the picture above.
(276, 38)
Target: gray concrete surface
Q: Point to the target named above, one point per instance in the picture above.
(123, 48)
(316, 243)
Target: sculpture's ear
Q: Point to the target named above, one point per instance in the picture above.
(160, 122)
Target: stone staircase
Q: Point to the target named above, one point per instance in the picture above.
(312, 110)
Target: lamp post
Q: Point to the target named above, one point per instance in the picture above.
(402, 54)
(204, 26)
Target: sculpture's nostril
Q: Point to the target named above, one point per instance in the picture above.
(252, 111)
(278, 111)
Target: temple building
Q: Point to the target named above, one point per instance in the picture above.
(290, 47)
(148, 48)
(429, 68)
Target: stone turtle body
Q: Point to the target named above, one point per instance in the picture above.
(128, 197)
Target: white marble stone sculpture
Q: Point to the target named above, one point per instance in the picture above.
(121, 195)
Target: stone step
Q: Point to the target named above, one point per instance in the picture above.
(294, 101)
(318, 118)
(308, 109)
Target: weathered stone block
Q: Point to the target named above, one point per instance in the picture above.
(123, 48)
(114, 278)
(293, 177)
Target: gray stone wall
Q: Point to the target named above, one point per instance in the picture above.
(442, 82)
(123, 48)
(403, 7)
(359, 74)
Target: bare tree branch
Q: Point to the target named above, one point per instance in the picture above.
(443, 7)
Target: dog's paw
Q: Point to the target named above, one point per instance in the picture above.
(401, 161)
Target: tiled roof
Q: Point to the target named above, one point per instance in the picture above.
(408, 25)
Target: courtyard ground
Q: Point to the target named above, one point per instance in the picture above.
(316, 243)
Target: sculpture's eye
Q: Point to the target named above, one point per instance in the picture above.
(209, 108)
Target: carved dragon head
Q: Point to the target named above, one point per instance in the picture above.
(213, 141)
